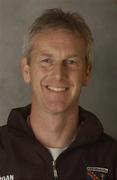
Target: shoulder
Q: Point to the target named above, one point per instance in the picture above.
(3, 131)
(109, 142)
(4, 142)
(4, 135)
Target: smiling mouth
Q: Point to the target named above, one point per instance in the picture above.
(57, 89)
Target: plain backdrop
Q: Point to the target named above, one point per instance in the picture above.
(101, 15)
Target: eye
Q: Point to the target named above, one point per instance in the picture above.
(47, 60)
(71, 61)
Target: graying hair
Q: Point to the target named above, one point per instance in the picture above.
(58, 19)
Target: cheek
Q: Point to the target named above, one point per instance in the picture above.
(78, 77)
(37, 76)
(78, 80)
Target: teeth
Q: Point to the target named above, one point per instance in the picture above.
(56, 89)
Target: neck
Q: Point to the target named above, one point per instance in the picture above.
(54, 130)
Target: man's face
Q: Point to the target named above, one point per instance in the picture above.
(57, 70)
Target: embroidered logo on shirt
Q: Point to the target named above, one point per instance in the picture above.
(96, 173)
(7, 177)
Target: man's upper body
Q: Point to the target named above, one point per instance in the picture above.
(57, 63)
(92, 155)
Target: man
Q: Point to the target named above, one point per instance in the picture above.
(54, 138)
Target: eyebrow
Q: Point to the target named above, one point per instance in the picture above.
(50, 55)
(42, 53)
(73, 56)
(45, 54)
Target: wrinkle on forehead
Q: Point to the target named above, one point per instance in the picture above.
(59, 41)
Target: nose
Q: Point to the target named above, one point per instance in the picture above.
(59, 71)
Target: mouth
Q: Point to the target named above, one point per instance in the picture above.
(57, 89)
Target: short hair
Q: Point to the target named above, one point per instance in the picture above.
(58, 19)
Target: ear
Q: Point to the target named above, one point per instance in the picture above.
(87, 74)
(25, 67)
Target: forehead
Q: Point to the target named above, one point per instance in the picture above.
(58, 39)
